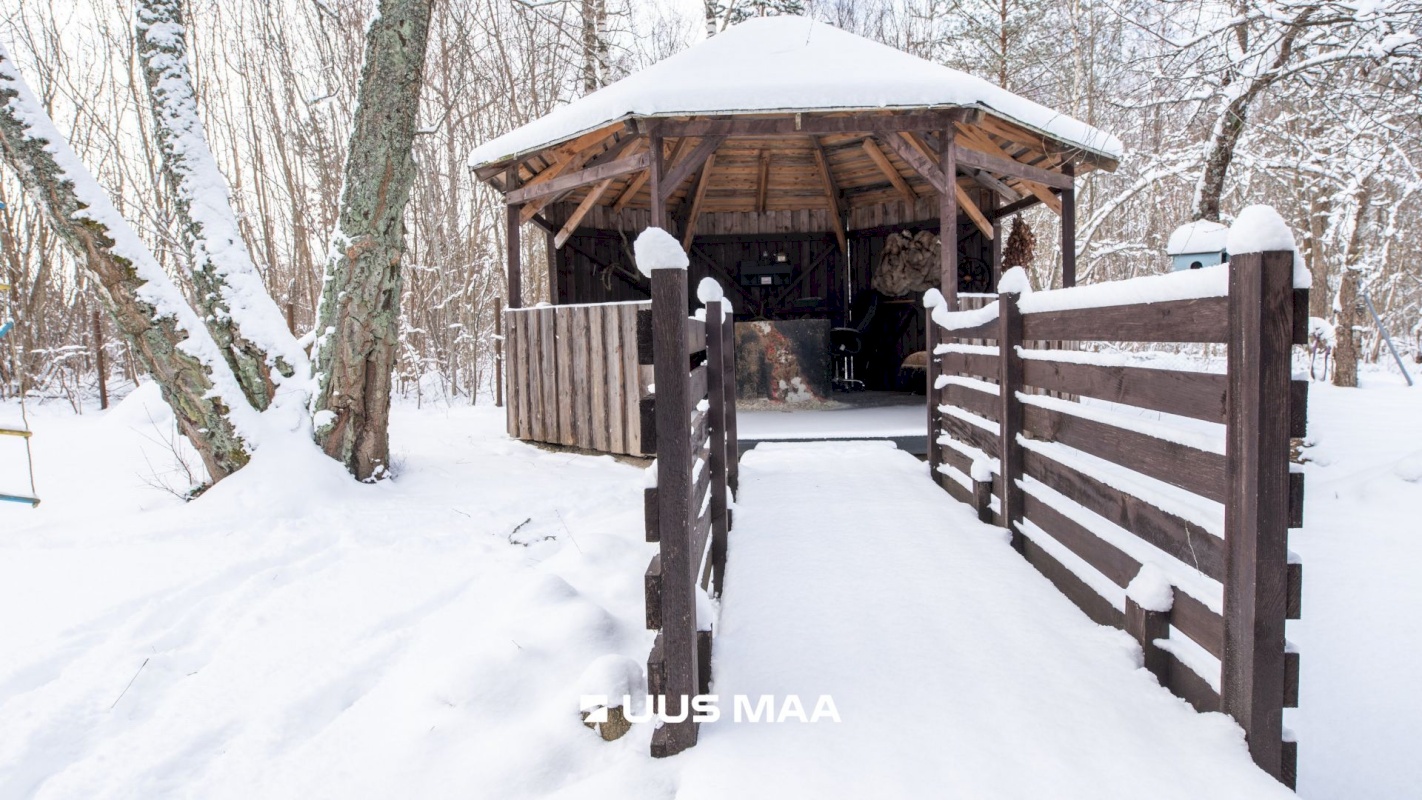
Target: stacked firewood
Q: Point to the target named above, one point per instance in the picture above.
(909, 264)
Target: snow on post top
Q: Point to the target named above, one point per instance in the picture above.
(709, 291)
(657, 249)
(1014, 281)
(1260, 229)
(1151, 589)
(932, 299)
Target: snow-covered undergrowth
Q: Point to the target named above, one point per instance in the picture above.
(293, 634)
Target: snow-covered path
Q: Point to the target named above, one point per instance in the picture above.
(956, 669)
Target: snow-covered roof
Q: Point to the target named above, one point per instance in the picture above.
(787, 64)
(1200, 236)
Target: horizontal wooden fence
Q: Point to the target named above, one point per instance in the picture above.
(574, 378)
(687, 514)
(1093, 492)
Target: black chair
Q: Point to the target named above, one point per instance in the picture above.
(846, 343)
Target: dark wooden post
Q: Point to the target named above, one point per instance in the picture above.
(716, 376)
(933, 395)
(498, 352)
(671, 369)
(101, 364)
(1146, 627)
(1069, 227)
(1257, 500)
(553, 287)
(654, 178)
(1009, 337)
(515, 253)
(990, 208)
(733, 442)
(948, 218)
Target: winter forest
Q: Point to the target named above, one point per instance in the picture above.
(1311, 107)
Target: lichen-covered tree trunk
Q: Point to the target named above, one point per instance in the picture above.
(357, 321)
(236, 307)
(147, 307)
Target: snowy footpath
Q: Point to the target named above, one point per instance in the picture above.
(955, 668)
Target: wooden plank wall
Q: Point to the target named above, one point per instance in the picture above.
(1067, 513)
(573, 377)
(687, 510)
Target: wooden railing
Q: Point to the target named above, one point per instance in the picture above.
(573, 376)
(687, 514)
(1093, 495)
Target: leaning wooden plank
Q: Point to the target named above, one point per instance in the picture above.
(1199, 395)
(1193, 470)
(615, 421)
(563, 349)
(581, 370)
(511, 358)
(1199, 320)
(600, 343)
(632, 384)
(1185, 541)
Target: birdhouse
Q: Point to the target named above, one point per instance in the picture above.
(1197, 244)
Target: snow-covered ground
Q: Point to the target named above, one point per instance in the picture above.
(291, 634)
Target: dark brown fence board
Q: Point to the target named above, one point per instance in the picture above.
(978, 365)
(581, 368)
(695, 336)
(697, 390)
(649, 513)
(986, 331)
(956, 489)
(1298, 409)
(1185, 541)
(970, 433)
(976, 401)
(1197, 621)
(614, 380)
(1291, 680)
(1105, 557)
(954, 458)
(1294, 604)
(563, 348)
(632, 382)
(1147, 627)
(1097, 608)
(548, 334)
(1296, 499)
(1200, 395)
(1192, 688)
(1200, 320)
(1198, 471)
(657, 668)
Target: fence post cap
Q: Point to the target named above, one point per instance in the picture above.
(1260, 229)
(657, 249)
(1014, 281)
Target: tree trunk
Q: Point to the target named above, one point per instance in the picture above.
(148, 309)
(359, 314)
(236, 307)
(1345, 351)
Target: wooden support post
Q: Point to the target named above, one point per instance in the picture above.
(716, 379)
(733, 442)
(1146, 627)
(948, 219)
(1009, 337)
(654, 180)
(1069, 227)
(1257, 503)
(515, 255)
(995, 268)
(671, 370)
(498, 353)
(982, 500)
(933, 394)
(101, 365)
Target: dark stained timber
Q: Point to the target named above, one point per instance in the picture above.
(1199, 395)
(1200, 320)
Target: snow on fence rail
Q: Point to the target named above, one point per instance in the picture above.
(1160, 501)
(694, 409)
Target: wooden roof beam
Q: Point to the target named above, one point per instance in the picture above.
(690, 164)
(531, 193)
(915, 155)
(636, 184)
(987, 145)
(882, 162)
(831, 195)
(581, 211)
(696, 199)
(801, 125)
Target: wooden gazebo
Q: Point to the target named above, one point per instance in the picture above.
(788, 140)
